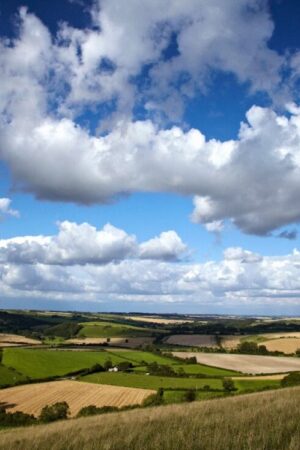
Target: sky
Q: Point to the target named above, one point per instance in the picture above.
(150, 156)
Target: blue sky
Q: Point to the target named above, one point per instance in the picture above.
(179, 126)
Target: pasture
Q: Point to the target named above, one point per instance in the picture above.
(111, 329)
(9, 376)
(32, 398)
(38, 363)
(151, 382)
(251, 364)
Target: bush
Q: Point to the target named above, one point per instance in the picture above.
(93, 410)
(292, 379)
(124, 365)
(154, 399)
(228, 385)
(190, 395)
(54, 412)
(16, 419)
(108, 364)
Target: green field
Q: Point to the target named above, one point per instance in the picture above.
(178, 396)
(151, 382)
(47, 363)
(110, 329)
(9, 376)
(256, 385)
(144, 357)
(201, 369)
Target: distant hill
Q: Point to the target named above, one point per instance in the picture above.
(264, 421)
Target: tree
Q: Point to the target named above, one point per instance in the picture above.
(190, 395)
(108, 364)
(58, 411)
(292, 379)
(228, 385)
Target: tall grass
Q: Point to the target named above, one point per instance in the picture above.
(265, 421)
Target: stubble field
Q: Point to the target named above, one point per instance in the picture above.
(250, 364)
(32, 398)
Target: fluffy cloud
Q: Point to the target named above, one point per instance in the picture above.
(84, 244)
(167, 246)
(240, 280)
(252, 181)
(6, 210)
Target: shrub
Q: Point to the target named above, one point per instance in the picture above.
(292, 379)
(15, 419)
(108, 364)
(124, 365)
(190, 395)
(93, 410)
(228, 385)
(51, 413)
(154, 399)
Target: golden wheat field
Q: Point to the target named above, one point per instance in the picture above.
(10, 340)
(192, 340)
(250, 364)
(32, 398)
(285, 345)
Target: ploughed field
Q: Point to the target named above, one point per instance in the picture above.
(32, 398)
(250, 364)
(192, 340)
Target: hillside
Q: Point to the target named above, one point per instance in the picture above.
(265, 421)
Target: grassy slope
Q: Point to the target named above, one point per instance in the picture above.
(9, 376)
(265, 421)
(110, 329)
(147, 357)
(47, 363)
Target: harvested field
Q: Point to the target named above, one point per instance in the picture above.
(192, 340)
(230, 341)
(32, 398)
(250, 364)
(158, 320)
(13, 340)
(284, 334)
(285, 345)
(133, 342)
(262, 377)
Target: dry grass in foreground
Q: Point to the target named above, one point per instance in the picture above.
(31, 398)
(265, 421)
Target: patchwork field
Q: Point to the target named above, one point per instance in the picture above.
(10, 340)
(251, 364)
(192, 340)
(33, 397)
(285, 345)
